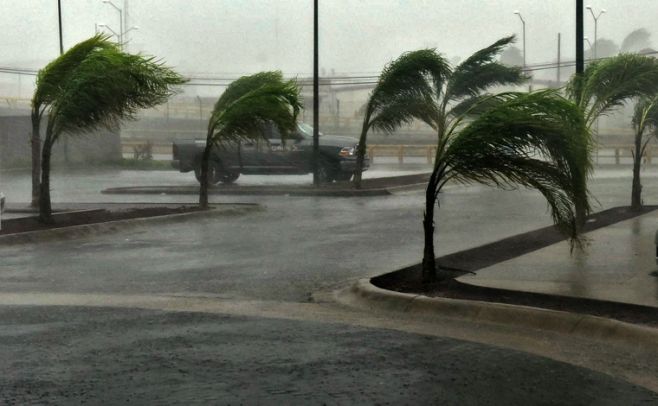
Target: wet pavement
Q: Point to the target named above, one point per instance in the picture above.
(72, 355)
(618, 264)
(297, 246)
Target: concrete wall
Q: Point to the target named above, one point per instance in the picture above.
(99, 147)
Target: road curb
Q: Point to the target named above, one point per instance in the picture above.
(367, 296)
(158, 190)
(83, 230)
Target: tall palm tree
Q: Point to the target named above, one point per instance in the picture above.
(242, 111)
(100, 90)
(645, 122)
(48, 87)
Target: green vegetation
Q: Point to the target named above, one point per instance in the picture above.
(95, 85)
(243, 110)
(609, 84)
(538, 140)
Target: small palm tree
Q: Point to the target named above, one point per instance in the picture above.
(242, 111)
(645, 122)
(48, 89)
(610, 83)
(99, 90)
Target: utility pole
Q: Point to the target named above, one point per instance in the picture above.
(316, 98)
(559, 41)
(59, 16)
(580, 39)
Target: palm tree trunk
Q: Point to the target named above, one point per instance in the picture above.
(361, 153)
(45, 208)
(203, 187)
(429, 272)
(636, 192)
(36, 155)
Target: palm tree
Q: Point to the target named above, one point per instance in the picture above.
(536, 140)
(48, 87)
(645, 119)
(100, 90)
(242, 111)
(401, 95)
(607, 85)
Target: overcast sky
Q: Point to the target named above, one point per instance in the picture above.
(227, 38)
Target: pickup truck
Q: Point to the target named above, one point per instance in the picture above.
(269, 155)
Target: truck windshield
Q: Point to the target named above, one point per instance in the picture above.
(306, 130)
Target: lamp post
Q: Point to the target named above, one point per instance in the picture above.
(316, 98)
(588, 42)
(120, 35)
(518, 13)
(596, 23)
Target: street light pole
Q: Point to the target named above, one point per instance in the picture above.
(316, 98)
(59, 17)
(518, 13)
(120, 35)
(596, 24)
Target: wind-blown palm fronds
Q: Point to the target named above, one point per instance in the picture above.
(243, 110)
(49, 83)
(538, 140)
(102, 89)
(403, 93)
(645, 122)
(608, 84)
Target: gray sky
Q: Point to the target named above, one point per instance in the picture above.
(226, 38)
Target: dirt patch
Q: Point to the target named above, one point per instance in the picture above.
(408, 280)
(90, 216)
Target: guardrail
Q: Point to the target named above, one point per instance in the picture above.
(617, 154)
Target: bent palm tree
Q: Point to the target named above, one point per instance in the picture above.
(49, 85)
(102, 89)
(645, 119)
(401, 95)
(243, 110)
(608, 84)
(537, 140)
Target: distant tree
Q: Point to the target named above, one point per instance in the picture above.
(101, 89)
(48, 88)
(243, 110)
(511, 56)
(605, 48)
(645, 127)
(636, 41)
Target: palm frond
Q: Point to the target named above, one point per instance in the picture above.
(537, 140)
(413, 74)
(481, 71)
(404, 109)
(275, 102)
(52, 77)
(110, 86)
(609, 83)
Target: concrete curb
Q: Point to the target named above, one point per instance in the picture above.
(83, 230)
(365, 295)
(249, 191)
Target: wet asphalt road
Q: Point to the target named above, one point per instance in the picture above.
(295, 247)
(106, 356)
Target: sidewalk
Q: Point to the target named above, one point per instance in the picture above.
(617, 265)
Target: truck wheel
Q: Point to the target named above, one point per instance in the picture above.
(326, 172)
(228, 177)
(213, 174)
